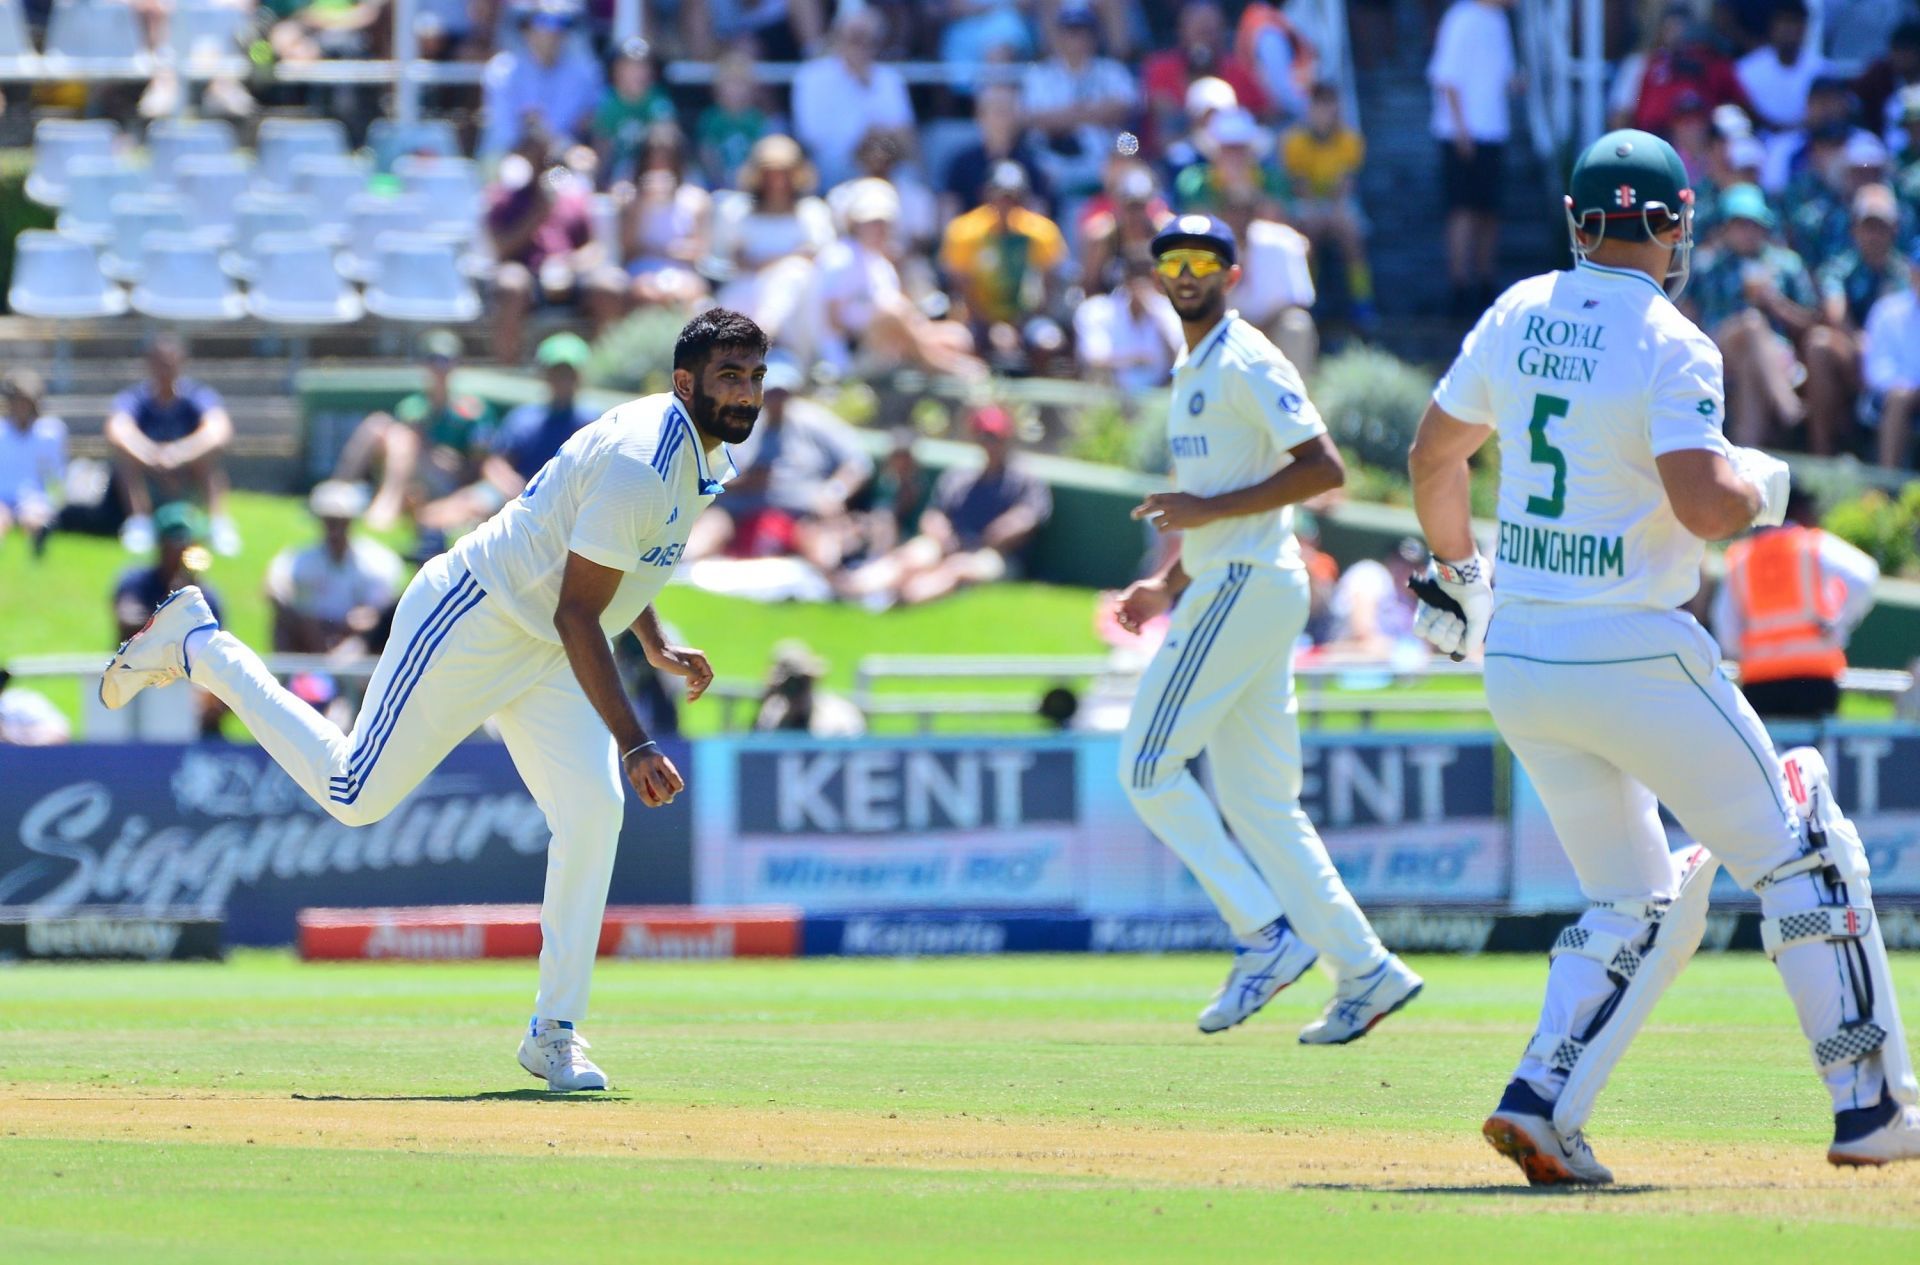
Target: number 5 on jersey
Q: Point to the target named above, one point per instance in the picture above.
(1545, 409)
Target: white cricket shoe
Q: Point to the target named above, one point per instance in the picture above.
(1547, 1158)
(154, 655)
(1275, 959)
(1358, 1004)
(1897, 1139)
(557, 1056)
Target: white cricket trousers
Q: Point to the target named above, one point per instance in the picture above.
(454, 660)
(1613, 711)
(1222, 683)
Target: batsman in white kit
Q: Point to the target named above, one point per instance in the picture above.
(1247, 445)
(1607, 404)
(513, 624)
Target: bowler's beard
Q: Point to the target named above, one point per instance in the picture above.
(1205, 310)
(728, 425)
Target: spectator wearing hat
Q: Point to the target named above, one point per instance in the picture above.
(633, 102)
(335, 596)
(1472, 71)
(1076, 100)
(1118, 224)
(1239, 168)
(859, 308)
(1756, 298)
(839, 98)
(728, 129)
(1778, 75)
(1820, 222)
(1679, 63)
(172, 432)
(795, 703)
(33, 459)
(1850, 284)
(1003, 264)
(976, 530)
(1206, 97)
(1276, 291)
(1891, 367)
(917, 226)
(525, 440)
(431, 444)
(797, 471)
(1128, 338)
(1323, 158)
(180, 555)
(1003, 138)
(547, 89)
(1200, 51)
(769, 233)
(539, 220)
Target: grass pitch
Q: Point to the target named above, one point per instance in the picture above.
(1013, 1109)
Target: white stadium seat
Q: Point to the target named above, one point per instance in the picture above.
(297, 283)
(328, 186)
(56, 143)
(419, 280)
(93, 182)
(182, 281)
(171, 140)
(135, 215)
(450, 187)
(95, 37)
(369, 217)
(257, 215)
(56, 277)
(283, 140)
(213, 184)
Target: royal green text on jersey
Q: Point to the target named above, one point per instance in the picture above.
(1563, 552)
(1549, 349)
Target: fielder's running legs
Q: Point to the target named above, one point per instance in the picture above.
(1613, 711)
(1223, 683)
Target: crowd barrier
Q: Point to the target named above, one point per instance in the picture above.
(909, 845)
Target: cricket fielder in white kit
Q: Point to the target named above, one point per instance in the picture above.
(513, 624)
(1247, 445)
(1607, 404)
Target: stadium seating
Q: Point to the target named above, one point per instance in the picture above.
(56, 143)
(205, 38)
(56, 277)
(93, 181)
(135, 215)
(18, 57)
(171, 140)
(212, 184)
(95, 38)
(390, 140)
(327, 184)
(418, 279)
(297, 283)
(282, 141)
(369, 216)
(258, 215)
(181, 280)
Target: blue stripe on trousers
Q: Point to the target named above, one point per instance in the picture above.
(1185, 671)
(1167, 692)
(1193, 674)
(479, 596)
(448, 600)
(349, 788)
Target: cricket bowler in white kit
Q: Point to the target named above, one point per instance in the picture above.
(1607, 404)
(1247, 445)
(513, 624)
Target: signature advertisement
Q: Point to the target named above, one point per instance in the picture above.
(219, 829)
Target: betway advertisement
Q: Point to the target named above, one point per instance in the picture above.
(215, 828)
(1042, 823)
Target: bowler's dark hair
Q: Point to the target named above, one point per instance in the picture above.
(713, 329)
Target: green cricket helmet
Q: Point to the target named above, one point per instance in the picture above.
(1631, 185)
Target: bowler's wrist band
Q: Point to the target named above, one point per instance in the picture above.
(628, 755)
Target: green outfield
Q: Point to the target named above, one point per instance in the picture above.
(1011, 1109)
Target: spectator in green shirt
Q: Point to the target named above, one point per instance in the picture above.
(727, 129)
(1756, 299)
(429, 446)
(634, 102)
(1237, 171)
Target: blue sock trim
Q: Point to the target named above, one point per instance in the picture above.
(185, 661)
(1524, 1100)
(1857, 1122)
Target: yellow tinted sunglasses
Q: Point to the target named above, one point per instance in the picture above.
(1201, 263)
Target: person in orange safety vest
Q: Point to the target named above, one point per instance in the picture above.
(1792, 596)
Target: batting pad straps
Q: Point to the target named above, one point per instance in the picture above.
(1849, 1043)
(1613, 952)
(1558, 1050)
(1823, 922)
(1806, 863)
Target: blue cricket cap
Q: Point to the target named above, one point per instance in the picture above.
(1201, 232)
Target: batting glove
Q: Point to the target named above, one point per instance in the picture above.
(1456, 604)
(1771, 477)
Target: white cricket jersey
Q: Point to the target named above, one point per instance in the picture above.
(1238, 411)
(1589, 375)
(622, 492)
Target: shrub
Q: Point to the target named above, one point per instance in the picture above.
(636, 355)
(1372, 403)
(1883, 527)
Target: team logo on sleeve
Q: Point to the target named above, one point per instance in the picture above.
(1197, 402)
(1705, 407)
(1290, 402)
(1624, 196)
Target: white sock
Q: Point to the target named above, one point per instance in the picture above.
(190, 646)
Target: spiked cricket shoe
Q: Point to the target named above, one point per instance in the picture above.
(1546, 1157)
(557, 1055)
(1358, 1004)
(1276, 958)
(155, 655)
